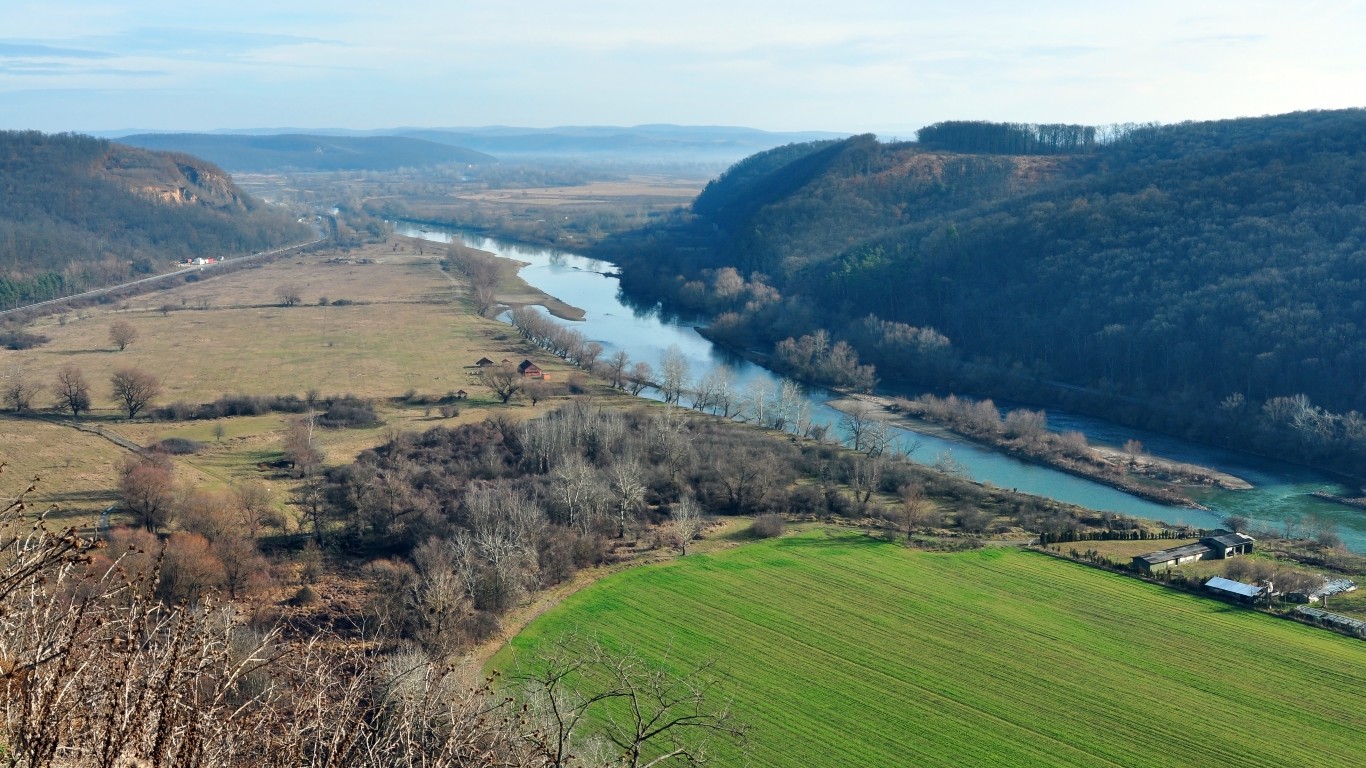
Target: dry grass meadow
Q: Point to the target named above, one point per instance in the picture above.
(405, 329)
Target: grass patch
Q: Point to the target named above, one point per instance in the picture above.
(845, 651)
(408, 329)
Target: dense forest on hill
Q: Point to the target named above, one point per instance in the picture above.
(1203, 278)
(78, 212)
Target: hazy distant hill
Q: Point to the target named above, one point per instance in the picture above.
(1207, 267)
(77, 212)
(310, 152)
(671, 143)
(642, 142)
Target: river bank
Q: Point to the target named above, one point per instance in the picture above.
(1162, 479)
(1281, 497)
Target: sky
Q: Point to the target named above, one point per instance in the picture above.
(784, 65)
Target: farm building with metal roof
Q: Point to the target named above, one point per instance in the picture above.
(1170, 558)
(1231, 588)
(1223, 545)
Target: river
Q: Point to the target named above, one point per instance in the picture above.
(1280, 496)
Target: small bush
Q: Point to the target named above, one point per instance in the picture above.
(21, 339)
(449, 411)
(177, 411)
(768, 526)
(178, 446)
(480, 626)
(348, 411)
(288, 404)
(343, 303)
(306, 596)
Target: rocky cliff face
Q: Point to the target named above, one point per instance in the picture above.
(173, 179)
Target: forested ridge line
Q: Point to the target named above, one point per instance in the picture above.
(78, 212)
(1201, 278)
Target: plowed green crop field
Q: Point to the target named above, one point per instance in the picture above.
(844, 651)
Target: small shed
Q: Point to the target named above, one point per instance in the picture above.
(1234, 589)
(484, 362)
(530, 370)
(1166, 559)
(1224, 545)
(461, 394)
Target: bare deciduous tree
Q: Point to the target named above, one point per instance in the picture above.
(859, 421)
(673, 372)
(71, 390)
(289, 294)
(18, 391)
(505, 380)
(148, 490)
(649, 715)
(254, 508)
(642, 376)
(687, 521)
(913, 506)
(627, 480)
(134, 388)
(122, 333)
(616, 369)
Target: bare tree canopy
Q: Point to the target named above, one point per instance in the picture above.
(505, 380)
(122, 333)
(289, 294)
(674, 372)
(17, 391)
(648, 714)
(134, 388)
(148, 490)
(71, 390)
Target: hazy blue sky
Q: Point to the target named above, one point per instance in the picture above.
(841, 65)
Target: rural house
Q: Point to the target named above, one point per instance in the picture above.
(530, 370)
(1225, 545)
(484, 362)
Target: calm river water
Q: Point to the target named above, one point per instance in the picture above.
(1281, 493)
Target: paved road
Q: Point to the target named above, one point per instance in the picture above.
(166, 276)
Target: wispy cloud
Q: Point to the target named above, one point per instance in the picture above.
(185, 41)
(13, 49)
(60, 69)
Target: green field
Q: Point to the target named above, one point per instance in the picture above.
(845, 651)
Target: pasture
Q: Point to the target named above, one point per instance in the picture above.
(842, 650)
(402, 325)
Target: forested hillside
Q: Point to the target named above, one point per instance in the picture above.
(78, 212)
(1203, 277)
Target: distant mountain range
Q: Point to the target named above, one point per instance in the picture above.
(384, 149)
(309, 152)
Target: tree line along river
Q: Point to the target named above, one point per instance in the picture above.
(1281, 492)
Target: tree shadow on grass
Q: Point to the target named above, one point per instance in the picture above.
(833, 539)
